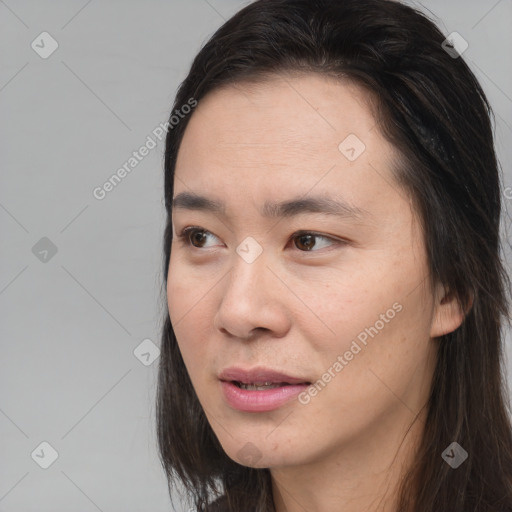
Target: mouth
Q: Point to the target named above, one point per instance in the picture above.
(259, 389)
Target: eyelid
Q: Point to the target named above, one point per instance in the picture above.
(183, 236)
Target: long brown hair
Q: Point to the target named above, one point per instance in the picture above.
(430, 106)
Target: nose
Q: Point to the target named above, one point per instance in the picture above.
(253, 300)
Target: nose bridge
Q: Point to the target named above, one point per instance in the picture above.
(247, 275)
(250, 299)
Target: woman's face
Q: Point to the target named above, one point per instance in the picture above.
(328, 295)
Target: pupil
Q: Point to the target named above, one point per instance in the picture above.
(198, 236)
(309, 244)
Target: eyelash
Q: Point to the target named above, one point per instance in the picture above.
(184, 237)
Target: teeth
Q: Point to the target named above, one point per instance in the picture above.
(259, 386)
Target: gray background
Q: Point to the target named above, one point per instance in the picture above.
(70, 323)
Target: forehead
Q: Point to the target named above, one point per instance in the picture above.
(308, 111)
(284, 137)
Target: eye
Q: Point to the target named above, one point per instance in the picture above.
(304, 241)
(195, 236)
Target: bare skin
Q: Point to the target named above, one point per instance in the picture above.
(302, 302)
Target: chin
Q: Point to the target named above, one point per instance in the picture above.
(257, 450)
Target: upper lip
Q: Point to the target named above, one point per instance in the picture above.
(259, 374)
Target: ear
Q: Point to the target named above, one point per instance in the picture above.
(448, 315)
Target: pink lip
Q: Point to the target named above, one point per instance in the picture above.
(259, 400)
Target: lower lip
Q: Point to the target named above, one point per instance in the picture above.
(260, 400)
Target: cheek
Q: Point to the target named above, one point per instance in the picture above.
(388, 355)
(185, 311)
(341, 307)
(378, 321)
(184, 291)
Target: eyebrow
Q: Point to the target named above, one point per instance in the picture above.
(290, 208)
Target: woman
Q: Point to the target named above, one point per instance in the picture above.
(335, 292)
